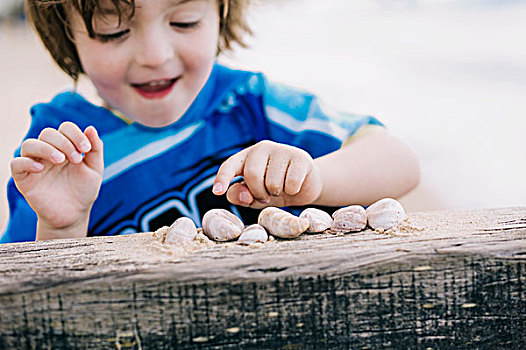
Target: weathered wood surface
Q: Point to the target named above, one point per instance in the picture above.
(458, 283)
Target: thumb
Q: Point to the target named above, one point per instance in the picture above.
(94, 158)
(239, 194)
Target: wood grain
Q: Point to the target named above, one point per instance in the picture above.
(448, 279)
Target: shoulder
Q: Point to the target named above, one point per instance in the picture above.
(257, 86)
(252, 82)
(230, 83)
(226, 77)
(73, 107)
(62, 103)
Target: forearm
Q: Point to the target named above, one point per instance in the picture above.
(76, 230)
(374, 166)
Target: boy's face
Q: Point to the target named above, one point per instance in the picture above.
(151, 67)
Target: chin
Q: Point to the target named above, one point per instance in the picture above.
(156, 121)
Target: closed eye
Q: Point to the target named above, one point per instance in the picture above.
(113, 36)
(185, 25)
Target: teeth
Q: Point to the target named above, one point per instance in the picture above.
(158, 83)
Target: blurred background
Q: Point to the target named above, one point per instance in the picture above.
(447, 76)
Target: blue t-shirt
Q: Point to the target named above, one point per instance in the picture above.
(152, 176)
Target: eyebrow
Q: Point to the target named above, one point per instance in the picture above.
(107, 11)
(111, 11)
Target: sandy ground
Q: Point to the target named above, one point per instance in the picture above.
(448, 79)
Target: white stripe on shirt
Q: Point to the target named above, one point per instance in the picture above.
(149, 151)
(287, 121)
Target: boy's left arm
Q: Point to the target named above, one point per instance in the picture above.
(370, 167)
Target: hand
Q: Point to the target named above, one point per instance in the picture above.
(274, 174)
(56, 180)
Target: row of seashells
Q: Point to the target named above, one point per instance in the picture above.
(221, 225)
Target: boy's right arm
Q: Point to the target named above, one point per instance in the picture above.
(59, 183)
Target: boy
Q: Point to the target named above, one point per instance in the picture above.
(178, 128)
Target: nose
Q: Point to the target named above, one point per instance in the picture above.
(154, 48)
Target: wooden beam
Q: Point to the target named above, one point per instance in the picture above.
(448, 279)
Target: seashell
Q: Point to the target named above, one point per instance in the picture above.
(385, 214)
(253, 234)
(282, 224)
(319, 220)
(221, 225)
(182, 230)
(349, 219)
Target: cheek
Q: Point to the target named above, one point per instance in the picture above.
(200, 58)
(103, 69)
(199, 62)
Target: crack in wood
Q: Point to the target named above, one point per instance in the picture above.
(507, 228)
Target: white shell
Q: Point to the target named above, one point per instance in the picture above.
(319, 220)
(182, 230)
(281, 223)
(385, 214)
(349, 219)
(253, 234)
(221, 225)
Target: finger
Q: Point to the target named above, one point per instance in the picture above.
(230, 168)
(239, 194)
(296, 173)
(275, 176)
(95, 157)
(21, 166)
(254, 173)
(76, 136)
(33, 148)
(60, 142)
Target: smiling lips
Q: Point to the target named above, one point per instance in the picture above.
(155, 89)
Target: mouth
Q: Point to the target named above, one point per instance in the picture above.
(156, 89)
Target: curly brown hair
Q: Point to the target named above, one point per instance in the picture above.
(49, 18)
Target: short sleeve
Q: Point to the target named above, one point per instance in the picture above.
(22, 223)
(300, 119)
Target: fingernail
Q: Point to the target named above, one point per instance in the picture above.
(264, 201)
(58, 157)
(85, 146)
(217, 188)
(244, 197)
(95, 130)
(76, 157)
